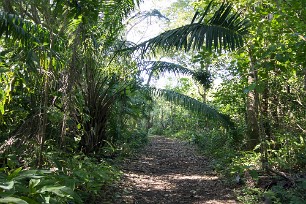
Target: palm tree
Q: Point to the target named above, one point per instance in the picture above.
(159, 67)
(74, 25)
(224, 30)
(78, 29)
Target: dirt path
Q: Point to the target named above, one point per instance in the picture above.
(169, 171)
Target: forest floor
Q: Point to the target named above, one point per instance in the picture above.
(171, 171)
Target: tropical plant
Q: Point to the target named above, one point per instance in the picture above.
(36, 186)
(224, 30)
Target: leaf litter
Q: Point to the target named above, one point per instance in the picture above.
(170, 171)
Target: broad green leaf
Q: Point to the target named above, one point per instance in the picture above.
(32, 184)
(58, 190)
(47, 199)
(223, 31)
(12, 200)
(29, 174)
(72, 194)
(302, 140)
(29, 200)
(14, 173)
(7, 185)
(79, 126)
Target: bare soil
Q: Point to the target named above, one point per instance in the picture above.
(171, 171)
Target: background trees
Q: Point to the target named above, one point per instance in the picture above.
(73, 88)
(263, 90)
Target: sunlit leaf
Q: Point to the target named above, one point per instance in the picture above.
(12, 200)
(7, 185)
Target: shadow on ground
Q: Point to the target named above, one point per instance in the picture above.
(170, 171)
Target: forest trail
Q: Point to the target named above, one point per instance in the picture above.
(170, 171)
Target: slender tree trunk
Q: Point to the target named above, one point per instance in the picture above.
(150, 77)
(149, 121)
(264, 126)
(65, 114)
(68, 84)
(68, 81)
(265, 112)
(162, 119)
(47, 64)
(43, 123)
(252, 110)
(304, 78)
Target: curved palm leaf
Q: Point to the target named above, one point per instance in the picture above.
(159, 67)
(162, 66)
(26, 32)
(147, 14)
(12, 25)
(193, 105)
(224, 30)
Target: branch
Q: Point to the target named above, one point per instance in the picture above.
(281, 174)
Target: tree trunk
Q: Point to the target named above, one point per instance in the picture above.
(252, 110)
(265, 112)
(68, 80)
(48, 66)
(304, 78)
(43, 123)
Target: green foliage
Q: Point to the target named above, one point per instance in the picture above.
(64, 86)
(204, 77)
(89, 176)
(287, 152)
(71, 178)
(292, 195)
(27, 32)
(213, 142)
(224, 30)
(251, 195)
(157, 68)
(277, 194)
(35, 186)
(245, 161)
(194, 105)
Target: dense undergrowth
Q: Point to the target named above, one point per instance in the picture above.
(65, 177)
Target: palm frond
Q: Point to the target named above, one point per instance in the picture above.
(224, 30)
(162, 67)
(12, 25)
(193, 105)
(25, 32)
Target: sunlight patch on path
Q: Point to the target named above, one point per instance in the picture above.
(195, 177)
(150, 182)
